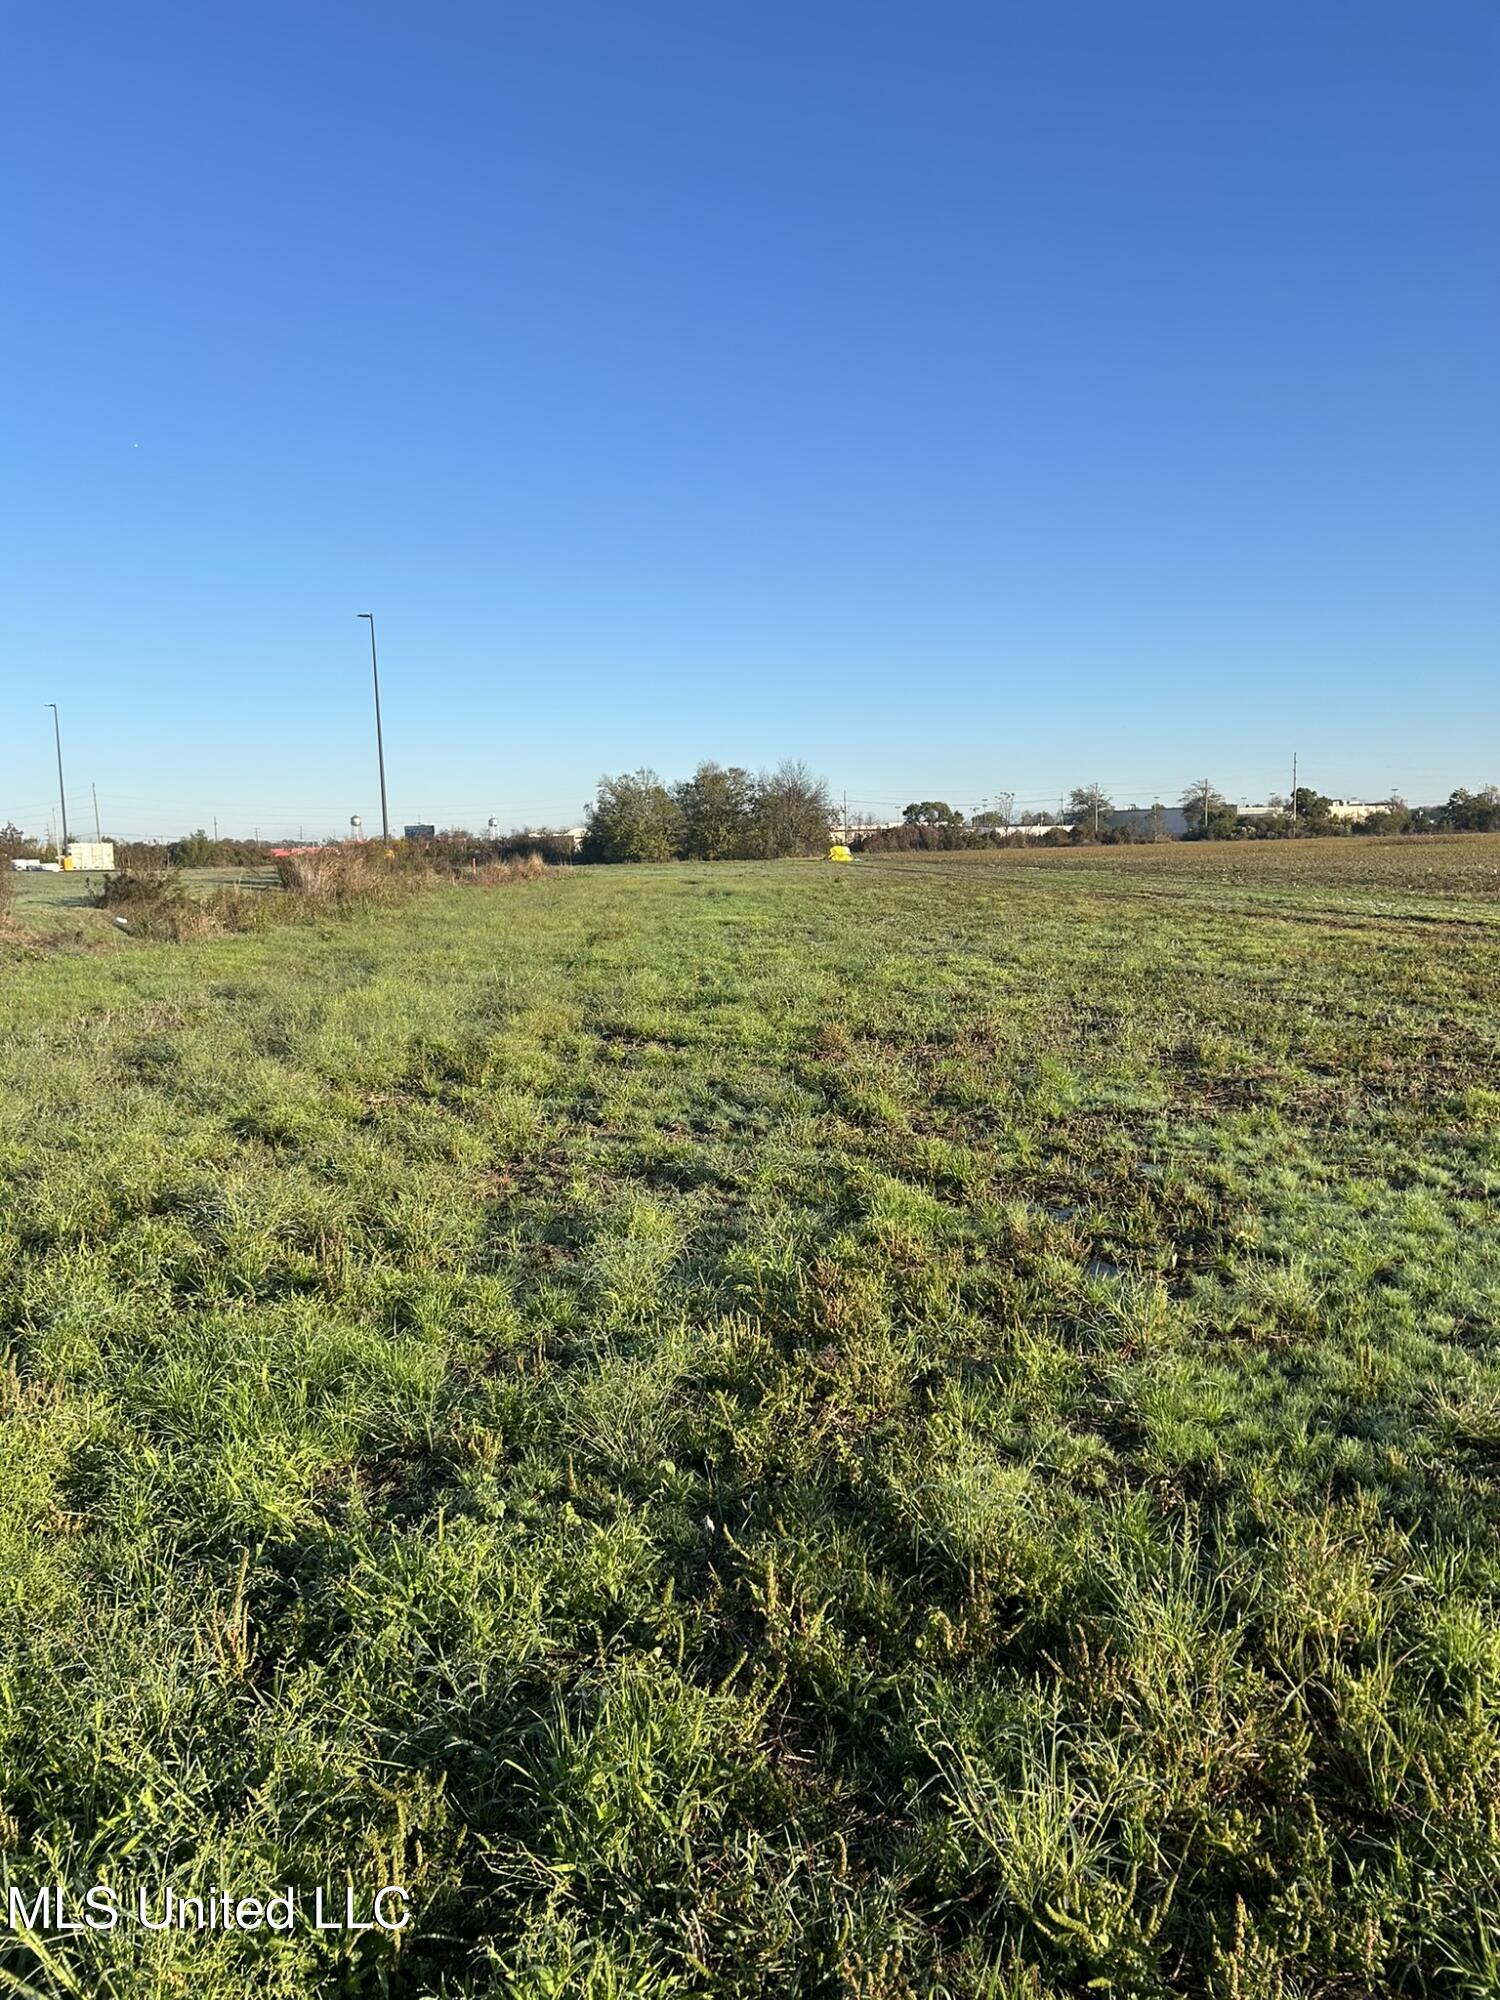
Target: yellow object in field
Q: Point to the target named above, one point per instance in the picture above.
(839, 852)
(67, 861)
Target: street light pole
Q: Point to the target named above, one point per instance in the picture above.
(385, 823)
(62, 797)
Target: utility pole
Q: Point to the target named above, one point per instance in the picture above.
(1294, 794)
(385, 822)
(62, 797)
(95, 790)
(846, 819)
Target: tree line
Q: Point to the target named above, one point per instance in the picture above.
(731, 814)
(1090, 816)
(452, 850)
(721, 813)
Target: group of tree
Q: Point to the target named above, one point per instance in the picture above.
(928, 826)
(1473, 812)
(1090, 816)
(932, 825)
(721, 813)
(1307, 813)
(1208, 815)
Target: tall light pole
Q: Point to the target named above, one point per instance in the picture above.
(62, 797)
(385, 823)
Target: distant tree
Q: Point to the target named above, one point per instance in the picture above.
(717, 808)
(1314, 812)
(1208, 814)
(1304, 811)
(792, 813)
(999, 817)
(1089, 808)
(931, 812)
(1393, 816)
(1199, 799)
(633, 818)
(13, 842)
(1473, 812)
(194, 850)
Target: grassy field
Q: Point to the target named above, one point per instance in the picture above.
(929, 1428)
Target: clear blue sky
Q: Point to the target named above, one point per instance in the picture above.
(957, 396)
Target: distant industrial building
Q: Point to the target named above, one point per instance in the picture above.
(1346, 809)
(1151, 822)
(1356, 808)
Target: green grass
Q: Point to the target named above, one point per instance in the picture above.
(928, 1428)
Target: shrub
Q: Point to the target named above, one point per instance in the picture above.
(194, 850)
(348, 877)
(153, 902)
(332, 881)
(141, 885)
(454, 852)
(495, 874)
